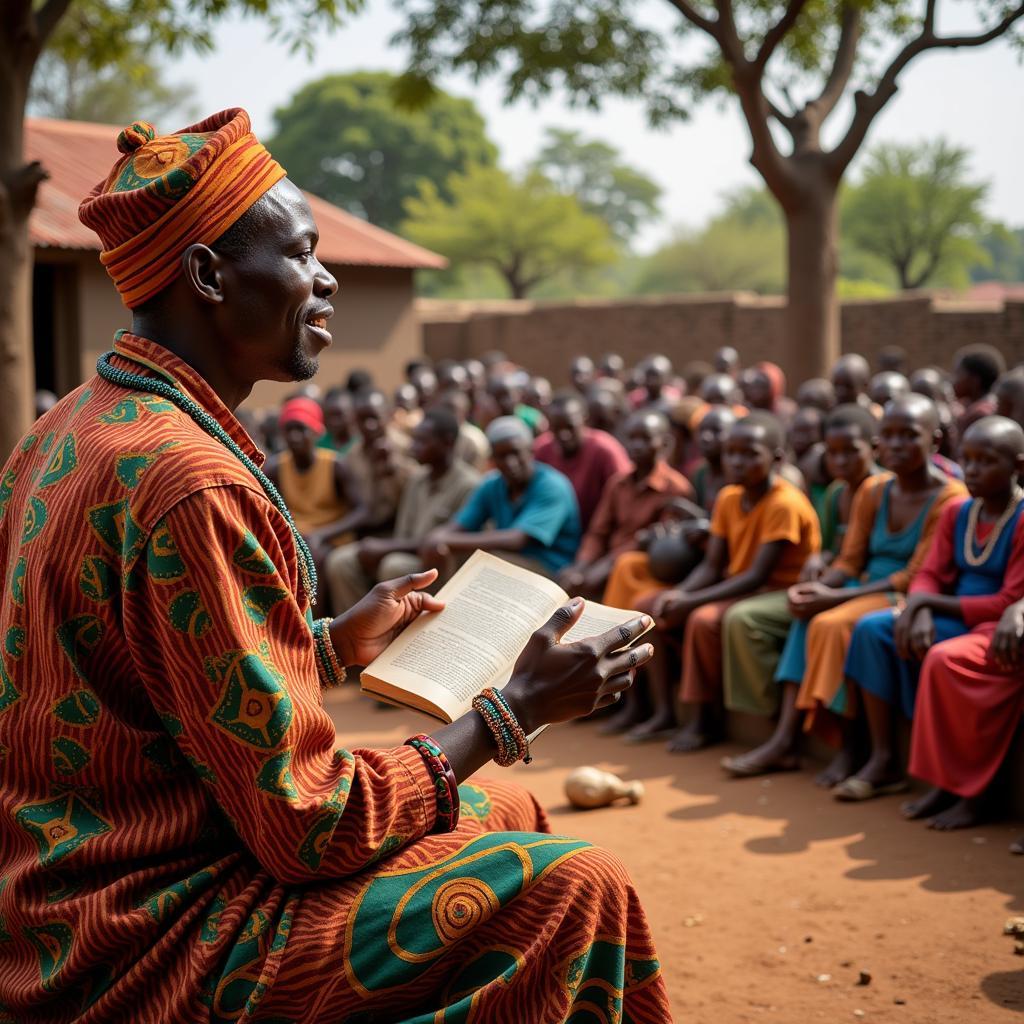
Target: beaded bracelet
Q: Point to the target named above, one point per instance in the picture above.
(508, 734)
(333, 669)
(446, 786)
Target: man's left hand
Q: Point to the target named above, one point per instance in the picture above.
(367, 629)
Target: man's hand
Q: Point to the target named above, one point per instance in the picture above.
(811, 598)
(1007, 644)
(366, 629)
(670, 608)
(370, 553)
(571, 578)
(914, 631)
(554, 682)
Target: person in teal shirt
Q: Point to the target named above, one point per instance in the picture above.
(523, 511)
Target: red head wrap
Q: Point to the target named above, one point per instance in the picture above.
(303, 410)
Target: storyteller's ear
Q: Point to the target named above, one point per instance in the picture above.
(203, 270)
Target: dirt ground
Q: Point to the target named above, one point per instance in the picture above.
(768, 899)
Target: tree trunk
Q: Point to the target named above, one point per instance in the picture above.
(812, 314)
(18, 185)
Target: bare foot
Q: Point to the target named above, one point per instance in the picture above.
(964, 813)
(654, 728)
(624, 718)
(840, 767)
(693, 737)
(763, 760)
(934, 801)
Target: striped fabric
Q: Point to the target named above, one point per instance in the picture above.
(167, 193)
(182, 839)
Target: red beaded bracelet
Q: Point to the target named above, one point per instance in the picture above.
(446, 786)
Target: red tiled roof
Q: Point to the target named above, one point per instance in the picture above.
(78, 154)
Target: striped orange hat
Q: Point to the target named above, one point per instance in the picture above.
(169, 192)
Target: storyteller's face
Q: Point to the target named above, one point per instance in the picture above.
(277, 294)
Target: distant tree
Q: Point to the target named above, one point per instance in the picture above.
(594, 172)
(343, 138)
(789, 64)
(114, 32)
(67, 85)
(524, 228)
(915, 207)
(1005, 249)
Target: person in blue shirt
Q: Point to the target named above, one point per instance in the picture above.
(524, 511)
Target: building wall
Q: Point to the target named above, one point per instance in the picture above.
(375, 327)
(544, 337)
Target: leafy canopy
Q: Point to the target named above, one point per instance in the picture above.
(622, 196)
(524, 228)
(343, 138)
(916, 208)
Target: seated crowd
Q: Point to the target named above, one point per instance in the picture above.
(834, 561)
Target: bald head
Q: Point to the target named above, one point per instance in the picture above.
(850, 377)
(914, 407)
(998, 432)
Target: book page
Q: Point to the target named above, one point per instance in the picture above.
(597, 619)
(491, 609)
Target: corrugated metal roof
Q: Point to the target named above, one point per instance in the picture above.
(78, 154)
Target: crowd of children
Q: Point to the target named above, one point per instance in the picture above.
(835, 562)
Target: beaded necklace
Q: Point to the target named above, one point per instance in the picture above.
(208, 423)
(973, 514)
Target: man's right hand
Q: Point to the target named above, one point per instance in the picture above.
(554, 682)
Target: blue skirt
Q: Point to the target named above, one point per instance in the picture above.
(872, 663)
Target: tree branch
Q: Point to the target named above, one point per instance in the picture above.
(868, 105)
(780, 115)
(692, 15)
(842, 66)
(777, 32)
(48, 16)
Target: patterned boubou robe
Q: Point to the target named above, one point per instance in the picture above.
(181, 840)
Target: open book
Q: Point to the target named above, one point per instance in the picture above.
(440, 662)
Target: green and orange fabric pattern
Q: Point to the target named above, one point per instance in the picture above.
(183, 839)
(168, 192)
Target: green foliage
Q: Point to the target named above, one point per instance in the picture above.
(101, 32)
(593, 171)
(1005, 249)
(916, 209)
(524, 228)
(343, 138)
(742, 249)
(70, 88)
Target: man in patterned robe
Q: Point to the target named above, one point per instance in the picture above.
(181, 839)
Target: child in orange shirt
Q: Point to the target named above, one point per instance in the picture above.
(762, 531)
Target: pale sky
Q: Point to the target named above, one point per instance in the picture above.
(972, 97)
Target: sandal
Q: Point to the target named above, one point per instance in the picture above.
(854, 790)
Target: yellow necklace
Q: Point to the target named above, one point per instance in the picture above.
(971, 532)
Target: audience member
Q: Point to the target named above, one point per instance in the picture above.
(471, 446)
(709, 477)
(338, 434)
(817, 393)
(962, 586)
(1009, 395)
(727, 360)
(537, 394)
(524, 511)
(606, 407)
(892, 358)
(721, 389)
(762, 531)
(976, 368)
(932, 383)
(507, 392)
(764, 388)
(656, 389)
(433, 494)
(611, 367)
(632, 500)
(588, 457)
(582, 373)
(850, 378)
(970, 691)
(887, 385)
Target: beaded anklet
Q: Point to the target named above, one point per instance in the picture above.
(513, 744)
(446, 786)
